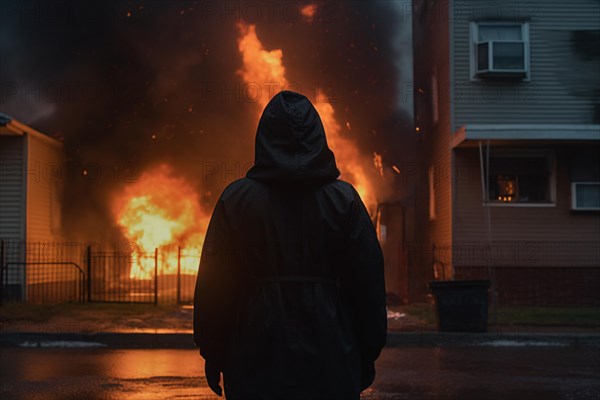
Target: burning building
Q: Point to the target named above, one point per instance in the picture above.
(159, 113)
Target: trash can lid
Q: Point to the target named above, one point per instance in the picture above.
(482, 283)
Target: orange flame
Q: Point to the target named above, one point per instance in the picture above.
(265, 68)
(161, 211)
(262, 69)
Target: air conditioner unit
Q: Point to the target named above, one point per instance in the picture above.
(585, 196)
(501, 58)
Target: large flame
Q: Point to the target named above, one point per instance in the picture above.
(347, 156)
(264, 69)
(161, 211)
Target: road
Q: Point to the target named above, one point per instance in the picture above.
(512, 372)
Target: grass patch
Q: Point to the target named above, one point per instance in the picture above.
(571, 316)
(426, 313)
(532, 316)
(83, 312)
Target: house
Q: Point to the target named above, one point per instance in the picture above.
(31, 175)
(507, 110)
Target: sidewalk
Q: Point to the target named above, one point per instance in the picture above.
(147, 326)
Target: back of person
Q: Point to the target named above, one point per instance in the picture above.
(290, 298)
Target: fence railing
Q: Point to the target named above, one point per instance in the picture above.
(47, 282)
(533, 273)
(106, 276)
(541, 273)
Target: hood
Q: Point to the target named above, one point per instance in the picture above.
(291, 144)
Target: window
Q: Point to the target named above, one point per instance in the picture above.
(585, 196)
(499, 50)
(521, 178)
(431, 174)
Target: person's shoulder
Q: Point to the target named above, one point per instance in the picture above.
(341, 188)
(235, 186)
(341, 185)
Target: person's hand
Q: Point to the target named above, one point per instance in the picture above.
(213, 377)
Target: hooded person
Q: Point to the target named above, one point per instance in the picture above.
(290, 298)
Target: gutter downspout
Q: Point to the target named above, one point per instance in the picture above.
(485, 186)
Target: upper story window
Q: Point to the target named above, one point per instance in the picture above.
(500, 50)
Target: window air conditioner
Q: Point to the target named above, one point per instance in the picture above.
(585, 196)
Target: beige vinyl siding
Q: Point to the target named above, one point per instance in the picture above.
(433, 61)
(432, 49)
(11, 188)
(12, 201)
(439, 229)
(535, 236)
(44, 177)
(557, 91)
(45, 170)
(440, 155)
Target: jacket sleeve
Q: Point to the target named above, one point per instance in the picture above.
(367, 283)
(216, 289)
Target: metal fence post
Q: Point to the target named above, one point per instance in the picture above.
(156, 276)
(89, 274)
(178, 275)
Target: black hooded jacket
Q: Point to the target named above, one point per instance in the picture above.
(290, 297)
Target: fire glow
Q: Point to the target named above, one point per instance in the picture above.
(261, 65)
(161, 211)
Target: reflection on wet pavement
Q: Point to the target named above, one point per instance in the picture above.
(102, 374)
(403, 373)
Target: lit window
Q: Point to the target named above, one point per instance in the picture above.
(521, 178)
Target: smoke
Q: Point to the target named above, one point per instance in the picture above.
(133, 84)
(403, 60)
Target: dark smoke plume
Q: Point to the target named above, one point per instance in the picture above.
(130, 84)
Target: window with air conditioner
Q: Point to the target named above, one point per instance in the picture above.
(500, 50)
(585, 196)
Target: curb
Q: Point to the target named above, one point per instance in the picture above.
(111, 340)
(464, 339)
(394, 339)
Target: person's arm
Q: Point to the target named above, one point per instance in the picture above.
(368, 288)
(215, 293)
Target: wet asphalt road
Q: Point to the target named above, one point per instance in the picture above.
(478, 373)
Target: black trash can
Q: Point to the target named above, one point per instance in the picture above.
(462, 306)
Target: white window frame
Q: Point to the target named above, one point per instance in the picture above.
(550, 154)
(474, 40)
(573, 198)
